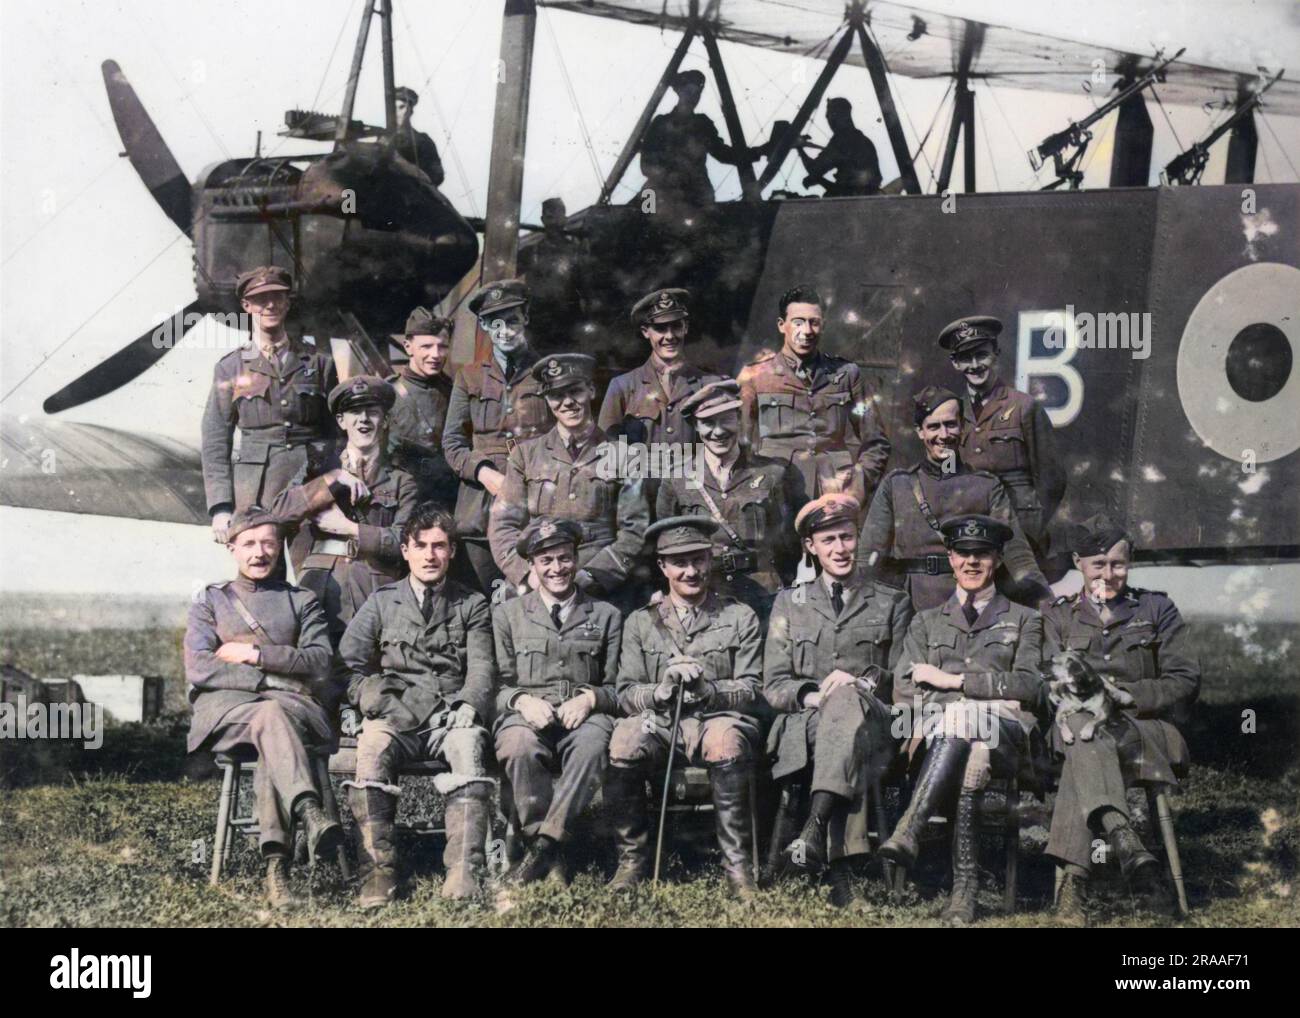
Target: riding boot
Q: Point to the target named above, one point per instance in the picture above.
(624, 796)
(960, 910)
(467, 829)
(375, 812)
(940, 774)
(785, 828)
(731, 814)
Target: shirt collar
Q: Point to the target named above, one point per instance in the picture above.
(982, 597)
(828, 579)
(550, 601)
(419, 587)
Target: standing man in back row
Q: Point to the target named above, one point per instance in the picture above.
(811, 409)
(270, 395)
(419, 414)
(1005, 431)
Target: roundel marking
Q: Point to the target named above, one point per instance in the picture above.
(1235, 376)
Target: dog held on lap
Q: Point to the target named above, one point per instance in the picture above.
(1074, 686)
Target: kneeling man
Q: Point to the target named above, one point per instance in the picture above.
(831, 643)
(257, 658)
(706, 648)
(420, 668)
(557, 655)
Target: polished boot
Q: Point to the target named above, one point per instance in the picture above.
(323, 834)
(785, 827)
(375, 812)
(624, 796)
(940, 775)
(841, 874)
(536, 864)
(732, 819)
(279, 893)
(1071, 900)
(809, 849)
(960, 910)
(467, 830)
(1135, 862)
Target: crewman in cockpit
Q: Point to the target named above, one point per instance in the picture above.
(849, 153)
(414, 146)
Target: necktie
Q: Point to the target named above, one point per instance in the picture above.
(572, 446)
(837, 597)
(976, 406)
(555, 616)
(968, 609)
(426, 604)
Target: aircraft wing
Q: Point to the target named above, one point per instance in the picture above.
(82, 468)
(1006, 56)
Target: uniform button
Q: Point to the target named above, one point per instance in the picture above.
(1105, 632)
(510, 434)
(670, 431)
(724, 494)
(1105, 657)
(968, 660)
(572, 495)
(506, 408)
(729, 577)
(284, 402)
(978, 449)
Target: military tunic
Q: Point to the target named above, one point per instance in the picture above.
(758, 501)
(415, 426)
(1143, 647)
(725, 638)
(911, 553)
(342, 572)
(535, 658)
(674, 157)
(826, 425)
(421, 151)
(1013, 440)
(999, 658)
(847, 738)
(279, 414)
(543, 479)
(406, 675)
(638, 405)
(486, 418)
(234, 709)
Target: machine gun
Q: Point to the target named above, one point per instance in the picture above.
(1078, 134)
(1187, 166)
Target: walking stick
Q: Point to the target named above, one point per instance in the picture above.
(668, 778)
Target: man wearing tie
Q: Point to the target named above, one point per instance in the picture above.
(557, 655)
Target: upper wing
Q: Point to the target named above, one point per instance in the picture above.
(922, 44)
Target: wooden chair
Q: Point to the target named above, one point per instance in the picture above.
(229, 823)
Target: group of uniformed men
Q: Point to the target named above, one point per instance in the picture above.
(478, 573)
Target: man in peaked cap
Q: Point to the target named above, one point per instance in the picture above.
(574, 472)
(974, 662)
(257, 662)
(752, 499)
(831, 645)
(849, 153)
(676, 147)
(811, 409)
(495, 404)
(901, 536)
(1138, 639)
(645, 403)
(557, 658)
(1005, 431)
(346, 520)
(416, 147)
(709, 646)
(419, 413)
(266, 412)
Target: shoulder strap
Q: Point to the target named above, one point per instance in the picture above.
(716, 513)
(236, 603)
(926, 511)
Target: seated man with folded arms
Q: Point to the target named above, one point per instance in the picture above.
(257, 659)
(421, 671)
(557, 654)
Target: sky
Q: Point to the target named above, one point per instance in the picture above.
(88, 261)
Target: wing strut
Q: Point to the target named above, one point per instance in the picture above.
(880, 82)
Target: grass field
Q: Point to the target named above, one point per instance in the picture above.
(121, 836)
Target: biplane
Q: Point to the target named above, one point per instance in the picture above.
(1190, 438)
